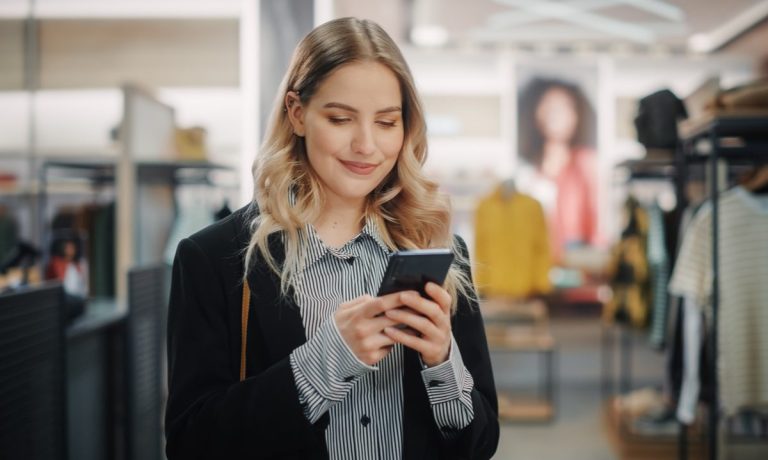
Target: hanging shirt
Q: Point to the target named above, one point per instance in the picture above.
(743, 305)
(693, 336)
(512, 246)
(658, 265)
(628, 270)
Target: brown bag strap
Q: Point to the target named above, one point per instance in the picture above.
(246, 306)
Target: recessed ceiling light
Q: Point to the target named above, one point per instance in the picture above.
(429, 35)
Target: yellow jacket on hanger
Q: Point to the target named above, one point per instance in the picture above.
(512, 249)
(628, 270)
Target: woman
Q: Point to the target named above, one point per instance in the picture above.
(556, 127)
(338, 187)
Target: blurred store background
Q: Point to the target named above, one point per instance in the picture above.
(576, 138)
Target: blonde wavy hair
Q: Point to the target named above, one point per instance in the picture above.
(408, 209)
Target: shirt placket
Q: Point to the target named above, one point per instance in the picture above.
(361, 413)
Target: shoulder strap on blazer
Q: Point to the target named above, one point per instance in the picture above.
(246, 305)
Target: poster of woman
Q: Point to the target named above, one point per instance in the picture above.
(557, 159)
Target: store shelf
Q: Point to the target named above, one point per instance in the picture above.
(523, 410)
(523, 327)
(87, 163)
(629, 445)
(511, 338)
(533, 312)
(645, 169)
(75, 187)
(727, 123)
(740, 135)
(70, 155)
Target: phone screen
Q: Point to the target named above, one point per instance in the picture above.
(412, 269)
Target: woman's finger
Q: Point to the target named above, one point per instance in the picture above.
(432, 354)
(414, 320)
(378, 323)
(425, 307)
(440, 296)
(379, 340)
(356, 301)
(409, 340)
(375, 306)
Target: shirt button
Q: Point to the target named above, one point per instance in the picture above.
(435, 383)
(365, 421)
(351, 260)
(349, 379)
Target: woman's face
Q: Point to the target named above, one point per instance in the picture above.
(556, 115)
(69, 250)
(353, 129)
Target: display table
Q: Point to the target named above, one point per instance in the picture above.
(523, 327)
(631, 445)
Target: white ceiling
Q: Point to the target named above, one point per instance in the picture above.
(640, 24)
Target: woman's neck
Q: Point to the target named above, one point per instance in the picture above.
(338, 224)
(555, 156)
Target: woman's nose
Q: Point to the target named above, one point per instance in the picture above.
(363, 141)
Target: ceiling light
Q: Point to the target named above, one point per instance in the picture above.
(429, 35)
(700, 43)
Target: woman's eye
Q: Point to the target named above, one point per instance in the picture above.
(338, 120)
(387, 123)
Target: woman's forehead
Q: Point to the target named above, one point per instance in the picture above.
(367, 85)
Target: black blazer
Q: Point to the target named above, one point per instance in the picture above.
(211, 414)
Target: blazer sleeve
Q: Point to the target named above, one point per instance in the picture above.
(210, 413)
(480, 438)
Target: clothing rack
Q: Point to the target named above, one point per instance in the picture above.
(652, 173)
(677, 171)
(642, 170)
(727, 139)
(103, 173)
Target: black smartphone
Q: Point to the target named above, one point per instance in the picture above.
(412, 269)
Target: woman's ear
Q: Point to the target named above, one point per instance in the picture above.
(295, 111)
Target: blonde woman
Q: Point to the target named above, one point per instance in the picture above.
(325, 373)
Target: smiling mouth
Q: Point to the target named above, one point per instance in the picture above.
(359, 168)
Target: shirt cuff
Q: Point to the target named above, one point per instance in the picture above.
(449, 388)
(327, 364)
(447, 381)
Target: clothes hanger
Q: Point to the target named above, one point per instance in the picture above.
(508, 187)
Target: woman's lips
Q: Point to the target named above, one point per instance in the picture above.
(359, 168)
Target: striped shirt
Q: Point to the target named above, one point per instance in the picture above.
(743, 270)
(658, 267)
(365, 403)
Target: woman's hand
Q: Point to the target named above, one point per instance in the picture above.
(361, 322)
(430, 321)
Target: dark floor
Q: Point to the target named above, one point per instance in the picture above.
(577, 431)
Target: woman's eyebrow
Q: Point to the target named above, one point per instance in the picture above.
(339, 105)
